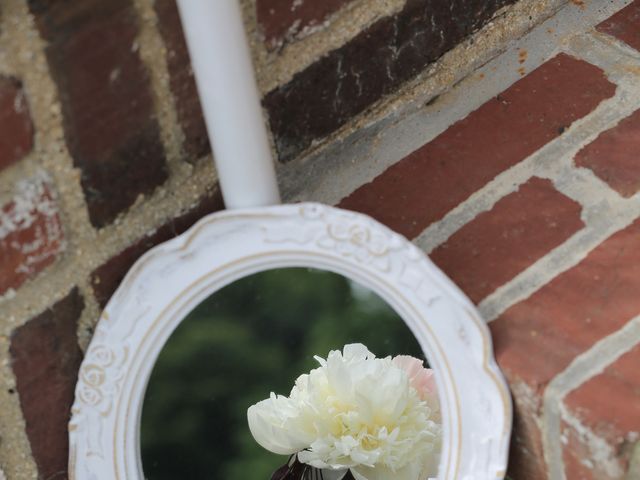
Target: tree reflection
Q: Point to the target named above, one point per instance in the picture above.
(254, 336)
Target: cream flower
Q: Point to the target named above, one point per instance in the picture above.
(354, 412)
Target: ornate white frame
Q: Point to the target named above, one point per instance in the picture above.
(171, 279)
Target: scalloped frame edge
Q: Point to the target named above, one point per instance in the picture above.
(170, 280)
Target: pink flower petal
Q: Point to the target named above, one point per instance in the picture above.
(422, 379)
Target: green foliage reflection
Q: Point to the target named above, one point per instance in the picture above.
(252, 337)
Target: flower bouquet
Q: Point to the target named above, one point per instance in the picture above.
(354, 417)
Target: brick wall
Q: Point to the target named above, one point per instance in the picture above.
(499, 136)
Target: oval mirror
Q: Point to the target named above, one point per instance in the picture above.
(248, 339)
(385, 294)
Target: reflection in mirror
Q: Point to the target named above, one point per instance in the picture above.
(251, 338)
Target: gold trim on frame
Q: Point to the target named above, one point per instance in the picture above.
(142, 314)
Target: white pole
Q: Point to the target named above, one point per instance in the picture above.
(230, 100)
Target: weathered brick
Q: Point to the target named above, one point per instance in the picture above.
(577, 457)
(106, 278)
(348, 80)
(537, 338)
(109, 118)
(15, 122)
(624, 25)
(498, 244)
(608, 405)
(31, 235)
(425, 185)
(182, 82)
(45, 358)
(610, 402)
(526, 455)
(613, 156)
(282, 20)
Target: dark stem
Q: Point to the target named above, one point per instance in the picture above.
(294, 470)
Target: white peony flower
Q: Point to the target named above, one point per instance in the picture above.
(356, 412)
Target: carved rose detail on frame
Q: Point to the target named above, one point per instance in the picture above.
(357, 240)
(100, 376)
(346, 234)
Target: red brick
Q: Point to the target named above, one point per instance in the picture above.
(348, 80)
(31, 234)
(424, 186)
(497, 245)
(624, 25)
(106, 278)
(281, 20)
(526, 455)
(45, 358)
(609, 406)
(577, 457)
(613, 156)
(587, 456)
(109, 119)
(182, 82)
(610, 402)
(537, 338)
(15, 122)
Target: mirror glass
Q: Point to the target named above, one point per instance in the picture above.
(251, 338)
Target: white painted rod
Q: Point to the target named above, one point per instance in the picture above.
(229, 95)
